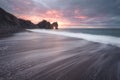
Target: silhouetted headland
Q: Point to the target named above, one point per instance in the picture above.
(10, 23)
(45, 24)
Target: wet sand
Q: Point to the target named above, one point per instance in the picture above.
(35, 56)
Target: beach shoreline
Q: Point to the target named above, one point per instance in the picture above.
(40, 56)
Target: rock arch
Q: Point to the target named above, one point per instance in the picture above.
(54, 25)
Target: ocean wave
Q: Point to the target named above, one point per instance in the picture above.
(115, 41)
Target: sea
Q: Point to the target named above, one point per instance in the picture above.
(63, 54)
(95, 31)
(100, 35)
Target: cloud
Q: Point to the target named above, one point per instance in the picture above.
(70, 12)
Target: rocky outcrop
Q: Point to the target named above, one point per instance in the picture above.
(10, 24)
(47, 25)
(26, 24)
(54, 25)
(44, 25)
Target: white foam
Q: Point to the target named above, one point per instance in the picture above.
(90, 37)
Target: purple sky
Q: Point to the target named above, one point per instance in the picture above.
(66, 12)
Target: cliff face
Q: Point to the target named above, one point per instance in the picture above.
(6, 17)
(26, 24)
(9, 23)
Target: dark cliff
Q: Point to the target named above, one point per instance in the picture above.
(10, 24)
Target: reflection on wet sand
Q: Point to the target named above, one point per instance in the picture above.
(33, 56)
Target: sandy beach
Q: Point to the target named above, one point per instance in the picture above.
(35, 56)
